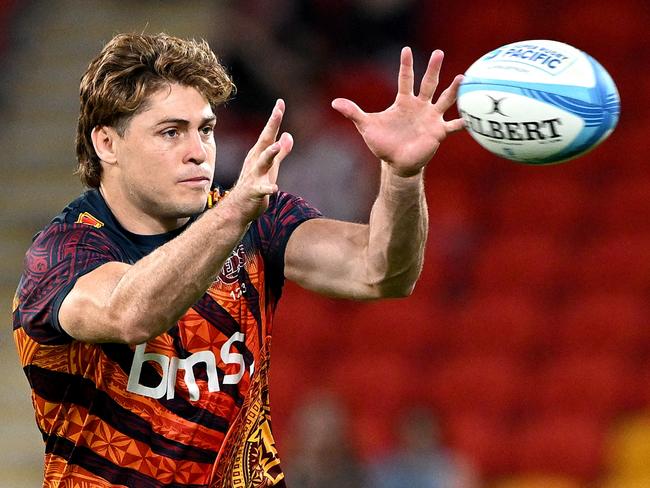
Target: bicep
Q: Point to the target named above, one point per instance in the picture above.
(84, 313)
(328, 257)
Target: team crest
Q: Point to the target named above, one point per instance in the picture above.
(87, 219)
(230, 271)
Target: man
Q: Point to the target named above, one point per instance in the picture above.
(143, 317)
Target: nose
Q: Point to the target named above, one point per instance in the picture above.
(196, 151)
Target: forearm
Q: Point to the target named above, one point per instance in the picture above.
(155, 292)
(397, 233)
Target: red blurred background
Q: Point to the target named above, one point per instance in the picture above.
(527, 337)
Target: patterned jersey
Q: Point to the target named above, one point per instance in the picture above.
(156, 414)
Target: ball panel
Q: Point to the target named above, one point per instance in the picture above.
(607, 93)
(549, 62)
(516, 126)
(586, 94)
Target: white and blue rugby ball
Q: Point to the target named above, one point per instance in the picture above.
(538, 102)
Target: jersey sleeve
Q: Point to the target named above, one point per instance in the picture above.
(285, 213)
(57, 258)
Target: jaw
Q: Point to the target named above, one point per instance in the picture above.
(154, 211)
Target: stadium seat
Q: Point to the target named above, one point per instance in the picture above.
(308, 327)
(570, 445)
(613, 263)
(626, 482)
(627, 451)
(540, 203)
(536, 480)
(633, 131)
(464, 158)
(497, 24)
(488, 385)
(641, 379)
(625, 205)
(452, 208)
(371, 434)
(498, 323)
(289, 382)
(595, 323)
(415, 327)
(484, 440)
(432, 281)
(623, 24)
(521, 262)
(374, 383)
(578, 384)
(365, 82)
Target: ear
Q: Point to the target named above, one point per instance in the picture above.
(104, 139)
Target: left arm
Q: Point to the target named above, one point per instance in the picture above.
(384, 257)
(379, 259)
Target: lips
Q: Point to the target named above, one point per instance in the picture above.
(198, 178)
(195, 179)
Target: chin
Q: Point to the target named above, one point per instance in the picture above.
(193, 203)
(182, 209)
(194, 208)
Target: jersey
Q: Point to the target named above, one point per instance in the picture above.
(159, 413)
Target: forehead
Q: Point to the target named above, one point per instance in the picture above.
(176, 101)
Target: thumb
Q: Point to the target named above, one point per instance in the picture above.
(348, 109)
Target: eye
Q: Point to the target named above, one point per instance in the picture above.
(207, 130)
(170, 133)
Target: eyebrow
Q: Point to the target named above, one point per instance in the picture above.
(185, 122)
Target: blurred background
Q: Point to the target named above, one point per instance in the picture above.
(522, 360)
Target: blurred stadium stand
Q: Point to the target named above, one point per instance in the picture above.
(528, 335)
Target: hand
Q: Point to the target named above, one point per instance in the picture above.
(259, 173)
(408, 133)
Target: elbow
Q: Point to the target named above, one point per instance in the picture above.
(396, 282)
(130, 328)
(133, 336)
(397, 287)
(401, 291)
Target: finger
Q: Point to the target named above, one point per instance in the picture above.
(273, 155)
(455, 125)
(286, 145)
(270, 130)
(267, 188)
(349, 110)
(431, 76)
(267, 136)
(265, 160)
(448, 97)
(405, 80)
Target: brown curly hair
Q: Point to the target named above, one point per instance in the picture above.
(131, 67)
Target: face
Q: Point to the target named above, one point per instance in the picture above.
(165, 160)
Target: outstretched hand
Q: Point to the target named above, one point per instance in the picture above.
(259, 173)
(408, 133)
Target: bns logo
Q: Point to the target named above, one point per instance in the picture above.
(170, 367)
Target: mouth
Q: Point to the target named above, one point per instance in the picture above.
(196, 181)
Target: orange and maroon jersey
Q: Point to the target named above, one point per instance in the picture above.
(156, 414)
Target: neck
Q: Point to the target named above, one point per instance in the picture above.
(135, 219)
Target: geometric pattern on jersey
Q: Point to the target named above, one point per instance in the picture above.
(154, 414)
(248, 457)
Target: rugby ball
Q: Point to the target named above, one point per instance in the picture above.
(538, 102)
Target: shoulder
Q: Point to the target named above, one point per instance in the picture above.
(81, 233)
(285, 206)
(283, 215)
(86, 221)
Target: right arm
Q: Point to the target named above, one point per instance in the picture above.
(118, 302)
